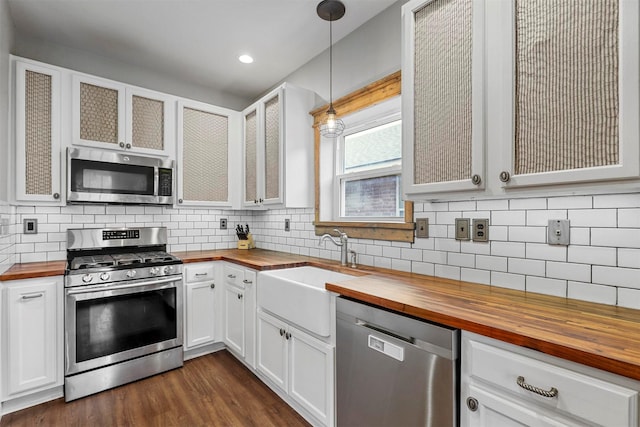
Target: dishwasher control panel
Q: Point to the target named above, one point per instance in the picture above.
(386, 347)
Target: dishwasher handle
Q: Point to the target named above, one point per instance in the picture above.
(416, 342)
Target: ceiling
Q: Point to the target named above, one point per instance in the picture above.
(198, 41)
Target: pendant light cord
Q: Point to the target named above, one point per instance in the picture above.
(331, 64)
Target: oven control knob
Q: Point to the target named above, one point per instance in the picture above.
(87, 278)
(131, 274)
(154, 271)
(104, 277)
(168, 269)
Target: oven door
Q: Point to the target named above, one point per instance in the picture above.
(107, 325)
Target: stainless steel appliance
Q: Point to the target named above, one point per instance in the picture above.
(394, 370)
(104, 176)
(123, 308)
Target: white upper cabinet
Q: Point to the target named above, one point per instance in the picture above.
(563, 79)
(278, 150)
(512, 96)
(37, 133)
(207, 140)
(108, 114)
(443, 96)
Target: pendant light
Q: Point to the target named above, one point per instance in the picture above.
(331, 10)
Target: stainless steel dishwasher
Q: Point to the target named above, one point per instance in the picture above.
(394, 370)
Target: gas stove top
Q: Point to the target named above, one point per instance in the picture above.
(105, 256)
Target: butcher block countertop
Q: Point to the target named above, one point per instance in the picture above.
(597, 335)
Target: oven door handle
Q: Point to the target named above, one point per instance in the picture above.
(87, 289)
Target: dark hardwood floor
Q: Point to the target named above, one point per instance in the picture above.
(212, 390)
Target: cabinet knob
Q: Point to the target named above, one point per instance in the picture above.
(128, 146)
(239, 296)
(287, 335)
(179, 200)
(476, 179)
(260, 200)
(472, 404)
(56, 196)
(505, 176)
(121, 144)
(212, 286)
(281, 332)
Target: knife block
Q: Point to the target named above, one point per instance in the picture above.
(247, 244)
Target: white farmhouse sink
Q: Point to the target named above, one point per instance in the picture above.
(298, 295)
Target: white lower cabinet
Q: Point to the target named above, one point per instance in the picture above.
(200, 304)
(32, 338)
(239, 309)
(299, 364)
(507, 385)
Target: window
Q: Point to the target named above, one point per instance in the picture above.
(349, 173)
(368, 172)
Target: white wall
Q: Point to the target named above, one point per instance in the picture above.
(6, 211)
(86, 62)
(368, 54)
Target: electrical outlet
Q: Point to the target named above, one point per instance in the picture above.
(223, 223)
(480, 230)
(4, 226)
(462, 229)
(30, 226)
(558, 232)
(287, 224)
(422, 227)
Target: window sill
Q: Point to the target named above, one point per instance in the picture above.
(393, 231)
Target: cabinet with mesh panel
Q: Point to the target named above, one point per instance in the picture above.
(208, 138)
(278, 150)
(108, 114)
(37, 133)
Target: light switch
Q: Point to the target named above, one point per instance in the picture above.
(558, 232)
(30, 226)
(462, 229)
(422, 227)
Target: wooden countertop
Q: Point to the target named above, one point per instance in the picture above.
(597, 335)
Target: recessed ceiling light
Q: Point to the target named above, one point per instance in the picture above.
(245, 59)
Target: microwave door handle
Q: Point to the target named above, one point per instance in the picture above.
(156, 178)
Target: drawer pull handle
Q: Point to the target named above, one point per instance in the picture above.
(201, 274)
(553, 392)
(247, 282)
(231, 276)
(32, 296)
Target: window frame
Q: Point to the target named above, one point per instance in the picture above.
(372, 94)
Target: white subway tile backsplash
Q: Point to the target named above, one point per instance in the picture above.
(570, 202)
(448, 245)
(629, 298)
(593, 218)
(590, 292)
(447, 271)
(592, 255)
(569, 271)
(629, 258)
(528, 234)
(401, 265)
(617, 201)
(461, 260)
(467, 205)
(535, 217)
(629, 218)
(498, 233)
(411, 254)
(542, 285)
(616, 276)
(508, 217)
(493, 205)
(475, 276)
(508, 280)
(470, 247)
(425, 268)
(616, 237)
(528, 203)
(492, 263)
(546, 252)
(580, 236)
(507, 249)
(527, 266)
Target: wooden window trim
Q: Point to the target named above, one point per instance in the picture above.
(372, 94)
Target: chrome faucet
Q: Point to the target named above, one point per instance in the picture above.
(342, 243)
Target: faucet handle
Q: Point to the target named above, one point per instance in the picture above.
(340, 232)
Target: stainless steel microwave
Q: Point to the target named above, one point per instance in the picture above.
(102, 176)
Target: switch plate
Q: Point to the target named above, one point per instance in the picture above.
(4, 226)
(30, 226)
(422, 227)
(480, 230)
(287, 224)
(558, 232)
(223, 223)
(462, 229)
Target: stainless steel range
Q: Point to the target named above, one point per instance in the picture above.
(123, 308)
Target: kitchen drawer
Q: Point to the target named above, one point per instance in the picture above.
(234, 276)
(578, 395)
(199, 273)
